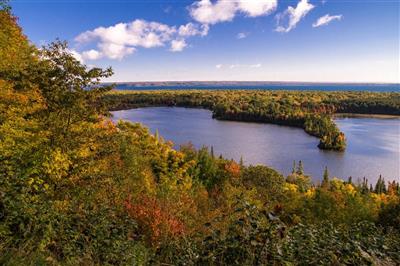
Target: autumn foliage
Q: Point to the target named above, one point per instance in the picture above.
(78, 189)
(154, 218)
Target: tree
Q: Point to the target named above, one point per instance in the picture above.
(4, 5)
(300, 169)
(350, 180)
(268, 182)
(16, 54)
(325, 180)
(241, 163)
(294, 167)
(72, 91)
(380, 186)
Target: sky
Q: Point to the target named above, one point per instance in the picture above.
(224, 40)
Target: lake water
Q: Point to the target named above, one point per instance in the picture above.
(373, 145)
(269, 86)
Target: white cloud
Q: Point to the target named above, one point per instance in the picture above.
(325, 20)
(122, 39)
(178, 45)
(210, 13)
(245, 66)
(218, 66)
(191, 29)
(207, 12)
(241, 35)
(76, 55)
(292, 16)
(115, 51)
(91, 55)
(255, 8)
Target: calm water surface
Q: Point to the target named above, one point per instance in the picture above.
(373, 145)
(312, 87)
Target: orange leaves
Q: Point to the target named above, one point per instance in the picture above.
(233, 169)
(155, 218)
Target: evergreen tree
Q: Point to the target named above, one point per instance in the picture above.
(300, 169)
(325, 180)
(241, 163)
(380, 186)
(364, 186)
(294, 167)
(384, 190)
(350, 181)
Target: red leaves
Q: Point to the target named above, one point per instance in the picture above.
(155, 218)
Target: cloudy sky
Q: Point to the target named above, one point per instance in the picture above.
(263, 40)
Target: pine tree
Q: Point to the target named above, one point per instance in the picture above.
(294, 167)
(300, 169)
(350, 181)
(364, 186)
(379, 186)
(384, 190)
(325, 180)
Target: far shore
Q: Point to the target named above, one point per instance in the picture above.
(366, 115)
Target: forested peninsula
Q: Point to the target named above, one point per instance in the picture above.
(78, 189)
(310, 110)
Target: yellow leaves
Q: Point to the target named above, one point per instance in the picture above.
(61, 205)
(146, 184)
(310, 193)
(290, 187)
(15, 50)
(57, 165)
(350, 189)
(37, 184)
(232, 193)
(336, 184)
(380, 198)
(341, 186)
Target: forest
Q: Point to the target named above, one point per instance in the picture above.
(78, 189)
(310, 110)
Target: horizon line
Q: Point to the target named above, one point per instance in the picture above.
(261, 81)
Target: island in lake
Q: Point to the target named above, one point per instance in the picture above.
(308, 110)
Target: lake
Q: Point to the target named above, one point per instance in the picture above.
(266, 86)
(373, 144)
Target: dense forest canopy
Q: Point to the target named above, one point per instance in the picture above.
(77, 189)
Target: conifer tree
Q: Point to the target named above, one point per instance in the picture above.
(300, 169)
(325, 180)
(350, 181)
(294, 167)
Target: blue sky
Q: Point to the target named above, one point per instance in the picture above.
(264, 40)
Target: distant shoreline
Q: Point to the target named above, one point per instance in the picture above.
(249, 83)
(351, 115)
(227, 85)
